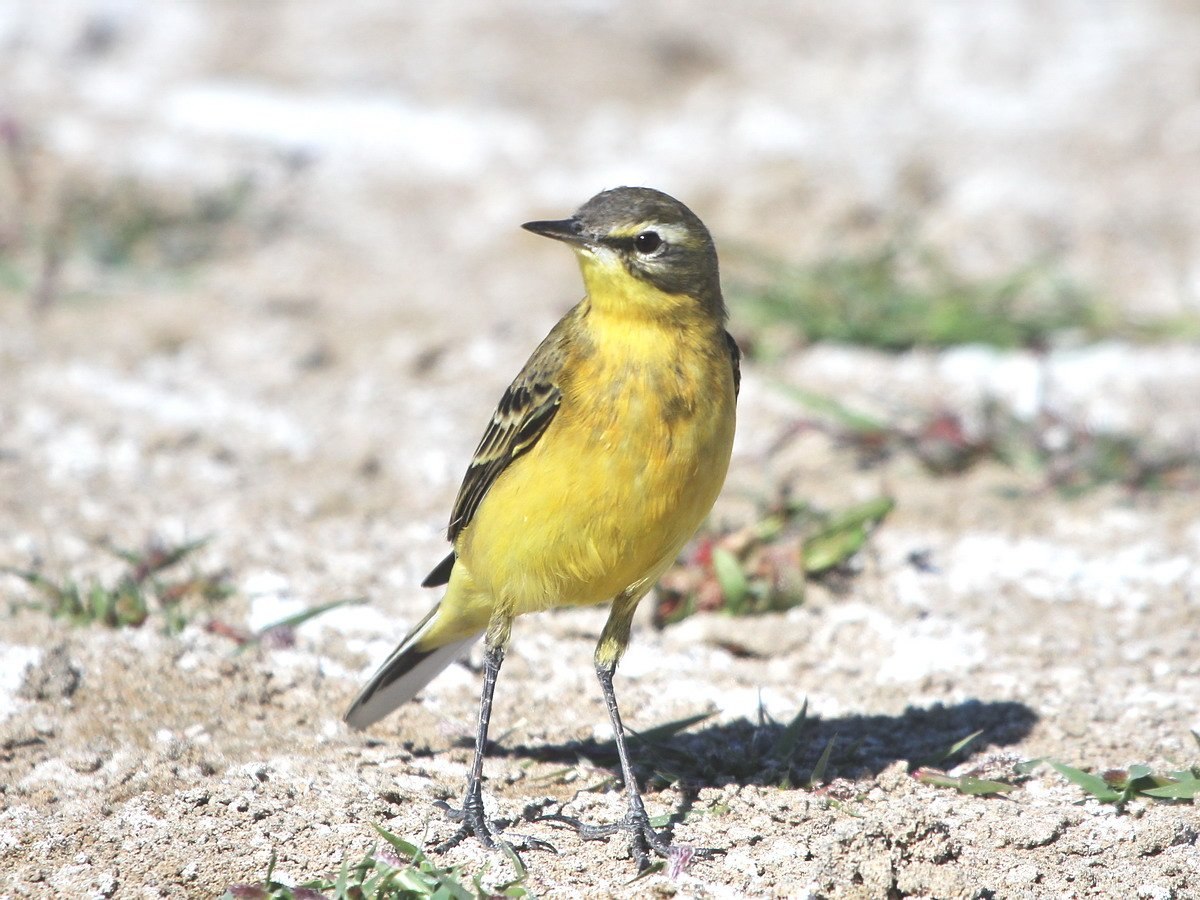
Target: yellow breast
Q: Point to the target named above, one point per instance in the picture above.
(622, 477)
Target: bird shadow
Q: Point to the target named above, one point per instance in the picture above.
(768, 752)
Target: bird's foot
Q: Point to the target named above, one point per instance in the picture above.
(644, 840)
(475, 823)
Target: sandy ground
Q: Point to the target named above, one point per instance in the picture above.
(306, 391)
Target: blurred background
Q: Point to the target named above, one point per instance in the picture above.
(394, 137)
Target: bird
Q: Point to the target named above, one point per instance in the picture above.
(603, 457)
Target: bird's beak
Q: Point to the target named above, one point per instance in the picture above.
(567, 230)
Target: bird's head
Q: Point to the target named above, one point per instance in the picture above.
(630, 239)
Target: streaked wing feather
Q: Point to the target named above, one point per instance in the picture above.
(522, 416)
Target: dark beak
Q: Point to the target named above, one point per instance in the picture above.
(568, 230)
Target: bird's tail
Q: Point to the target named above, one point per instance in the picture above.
(408, 669)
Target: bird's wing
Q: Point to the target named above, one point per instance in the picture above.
(522, 416)
(524, 412)
(735, 357)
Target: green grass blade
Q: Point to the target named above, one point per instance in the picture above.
(983, 787)
(401, 846)
(297, 619)
(827, 549)
(661, 733)
(964, 784)
(417, 882)
(818, 772)
(789, 738)
(1027, 766)
(1093, 784)
(1188, 789)
(731, 577)
(957, 747)
(870, 512)
(833, 409)
(512, 888)
(844, 534)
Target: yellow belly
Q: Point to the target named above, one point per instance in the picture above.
(620, 480)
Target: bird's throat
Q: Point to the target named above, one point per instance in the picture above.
(615, 292)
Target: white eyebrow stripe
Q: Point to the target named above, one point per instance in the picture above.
(672, 234)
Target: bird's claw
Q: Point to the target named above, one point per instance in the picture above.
(643, 838)
(475, 823)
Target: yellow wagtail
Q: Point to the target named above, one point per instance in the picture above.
(601, 460)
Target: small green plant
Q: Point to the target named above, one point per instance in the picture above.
(1119, 786)
(763, 567)
(1073, 457)
(972, 785)
(146, 588)
(598, 758)
(928, 772)
(277, 634)
(779, 760)
(128, 223)
(72, 233)
(660, 734)
(899, 296)
(951, 751)
(769, 753)
(399, 871)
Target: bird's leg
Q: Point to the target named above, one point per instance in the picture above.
(474, 820)
(643, 839)
(471, 814)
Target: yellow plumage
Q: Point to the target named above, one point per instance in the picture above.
(613, 489)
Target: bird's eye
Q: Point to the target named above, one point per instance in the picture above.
(647, 242)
